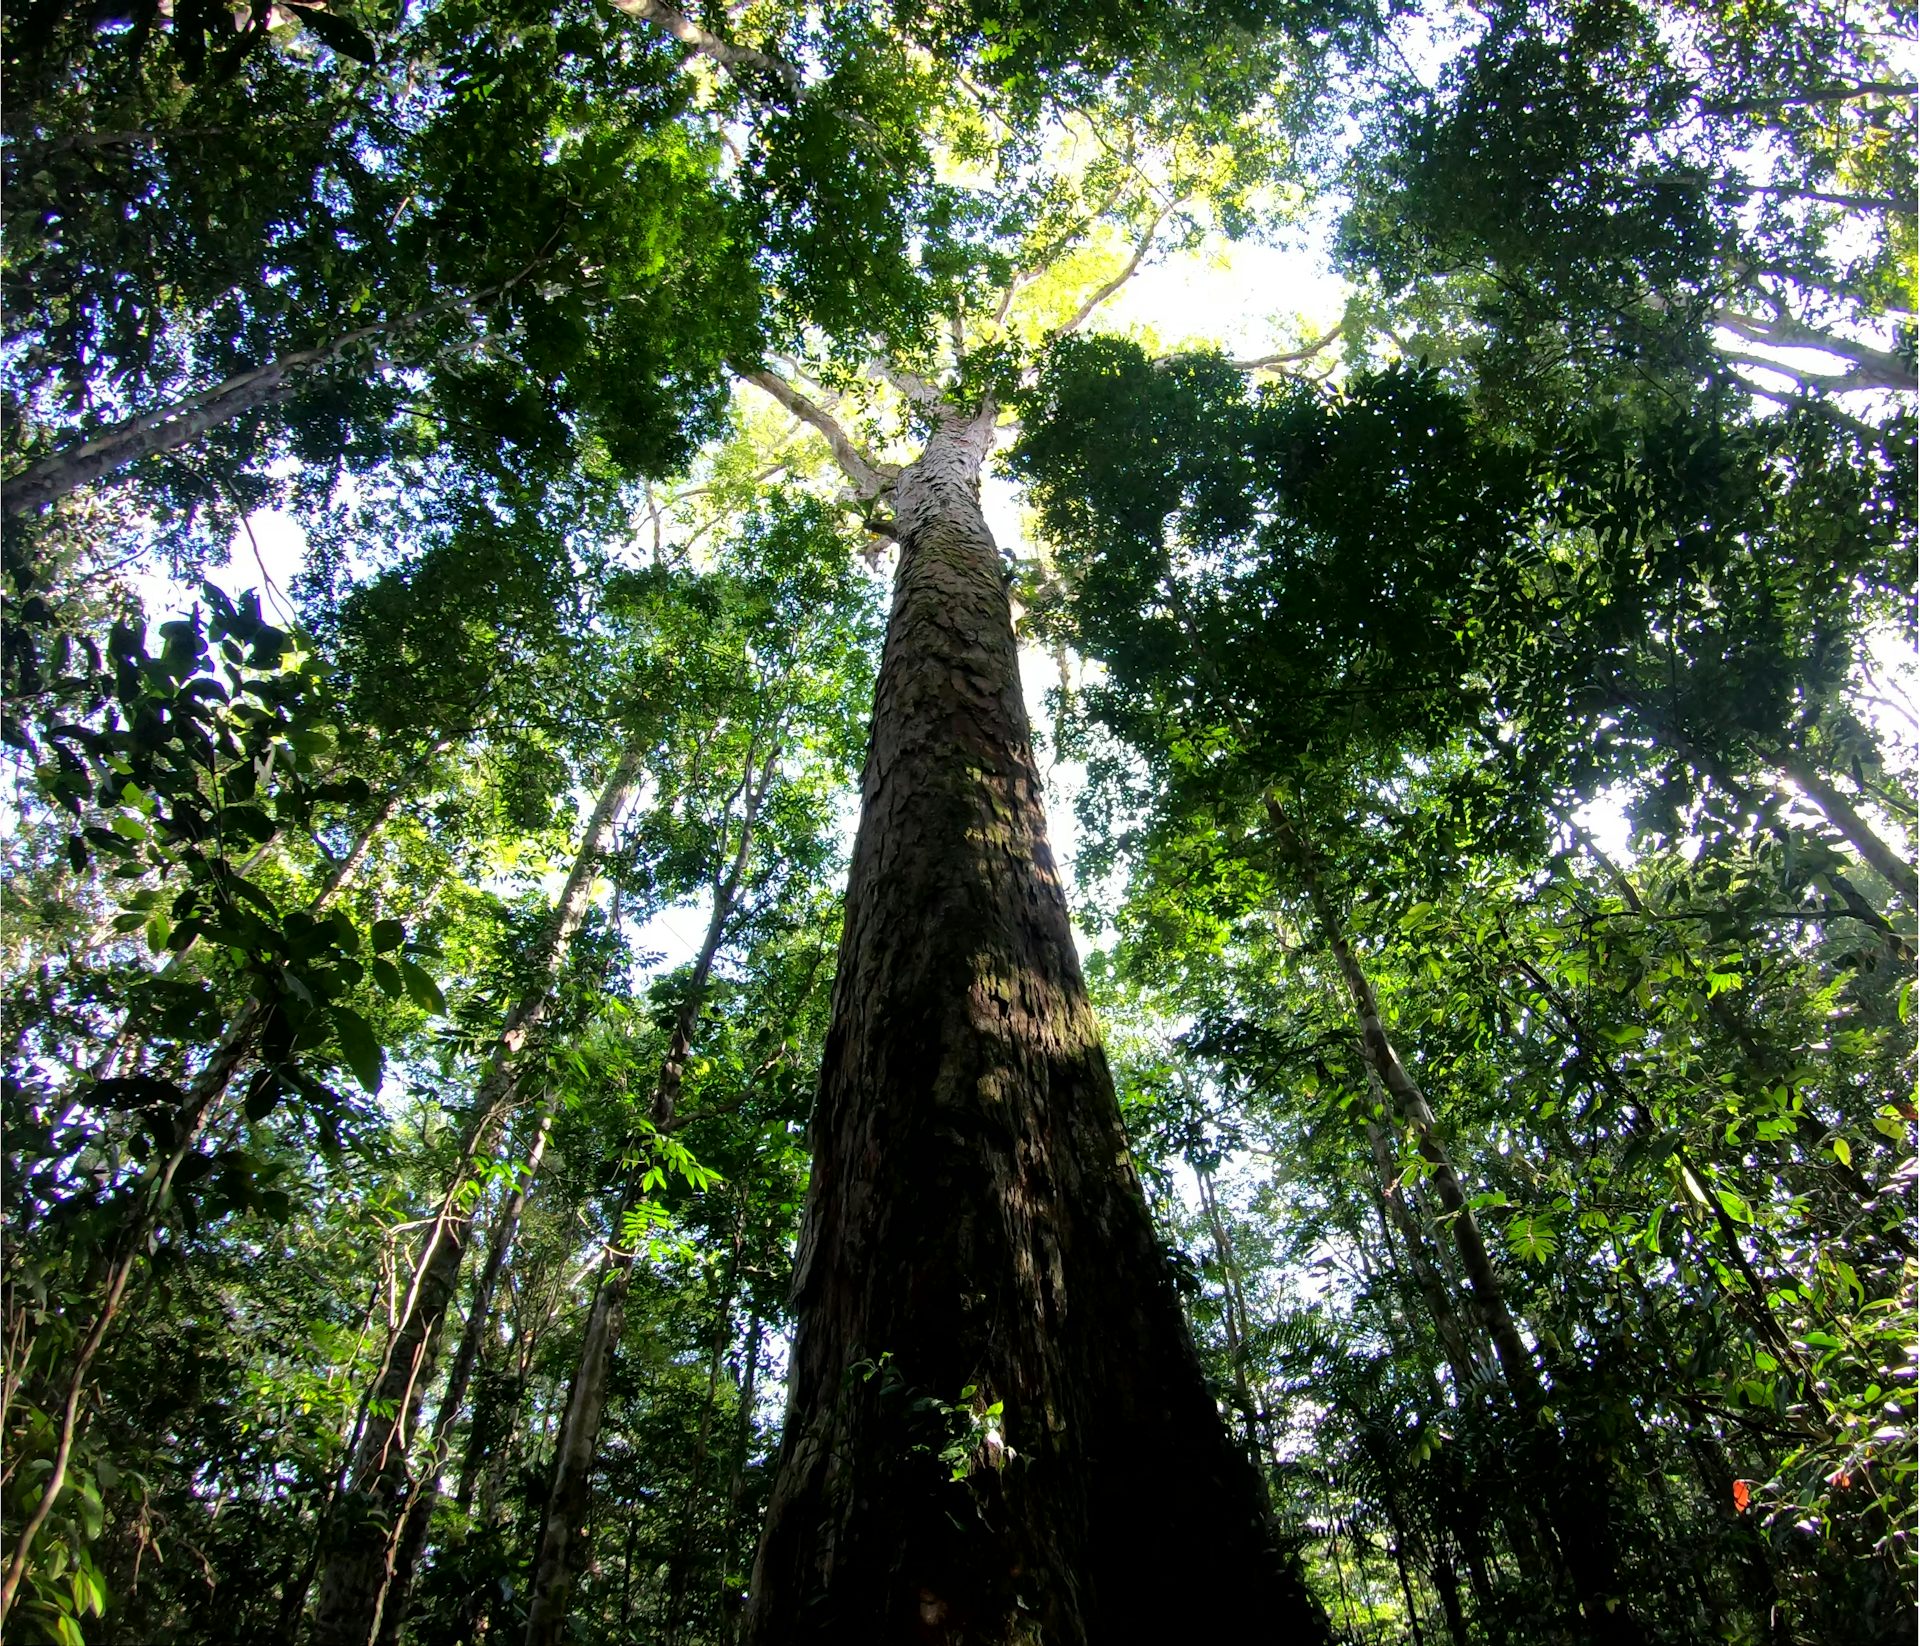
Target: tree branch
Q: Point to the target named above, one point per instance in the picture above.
(691, 35)
(1825, 94)
(870, 478)
(1102, 292)
(1848, 382)
(1267, 362)
(1875, 368)
(912, 386)
(1825, 407)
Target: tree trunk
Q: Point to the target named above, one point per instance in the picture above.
(681, 1562)
(737, 1470)
(561, 1531)
(1234, 1317)
(417, 1515)
(1454, 1342)
(977, 1272)
(1575, 1507)
(359, 1569)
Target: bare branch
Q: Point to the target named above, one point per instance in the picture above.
(1826, 408)
(1860, 93)
(1875, 368)
(869, 478)
(1288, 357)
(1103, 292)
(691, 35)
(1850, 382)
(1850, 202)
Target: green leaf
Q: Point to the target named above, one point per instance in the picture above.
(387, 975)
(358, 1046)
(1842, 1151)
(424, 992)
(388, 935)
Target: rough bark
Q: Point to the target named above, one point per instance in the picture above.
(562, 1531)
(974, 1222)
(359, 1568)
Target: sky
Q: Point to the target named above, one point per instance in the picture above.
(1249, 299)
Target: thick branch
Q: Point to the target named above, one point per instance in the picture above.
(691, 35)
(870, 478)
(1874, 368)
(1306, 351)
(915, 388)
(1857, 93)
(1825, 407)
(1102, 292)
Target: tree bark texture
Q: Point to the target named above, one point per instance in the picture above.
(360, 1567)
(974, 1222)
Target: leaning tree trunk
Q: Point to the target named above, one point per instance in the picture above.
(995, 1401)
(360, 1566)
(417, 1516)
(1575, 1507)
(562, 1532)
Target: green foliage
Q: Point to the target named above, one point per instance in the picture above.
(1376, 655)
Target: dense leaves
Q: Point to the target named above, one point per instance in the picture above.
(1493, 747)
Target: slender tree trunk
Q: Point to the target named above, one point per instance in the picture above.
(975, 1237)
(1446, 1583)
(1575, 1509)
(1234, 1315)
(681, 1562)
(561, 1533)
(737, 1472)
(359, 1569)
(1454, 1343)
(417, 1515)
(149, 1205)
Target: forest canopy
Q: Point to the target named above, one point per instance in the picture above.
(959, 822)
